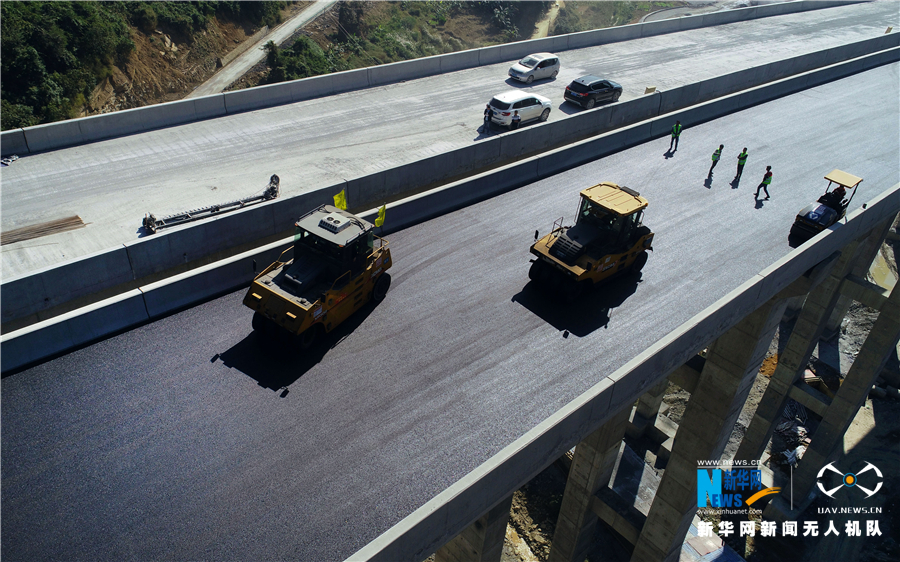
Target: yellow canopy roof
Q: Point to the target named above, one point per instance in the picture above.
(843, 178)
(610, 196)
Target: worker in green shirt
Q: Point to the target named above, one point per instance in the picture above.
(742, 159)
(676, 132)
(766, 181)
(715, 159)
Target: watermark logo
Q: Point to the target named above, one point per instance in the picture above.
(849, 480)
(730, 488)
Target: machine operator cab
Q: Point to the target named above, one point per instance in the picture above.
(828, 209)
(608, 238)
(335, 266)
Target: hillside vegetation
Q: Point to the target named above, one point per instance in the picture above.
(55, 53)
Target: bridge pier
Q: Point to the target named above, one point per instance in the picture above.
(838, 413)
(482, 541)
(592, 467)
(723, 386)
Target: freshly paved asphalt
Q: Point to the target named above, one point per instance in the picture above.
(317, 143)
(182, 439)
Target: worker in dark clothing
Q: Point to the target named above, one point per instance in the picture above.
(516, 119)
(676, 132)
(488, 114)
(767, 180)
(715, 159)
(742, 159)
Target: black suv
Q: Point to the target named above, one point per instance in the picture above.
(588, 90)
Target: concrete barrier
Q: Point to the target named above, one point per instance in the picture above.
(54, 135)
(673, 99)
(188, 111)
(459, 60)
(349, 80)
(451, 511)
(110, 125)
(285, 212)
(189, 244)
(79, 327)
(406, 70)
(491, 55)
(309, 88)
(260, 97)
(28, 296)
(603, 36)
(210, 281)
(13, 142)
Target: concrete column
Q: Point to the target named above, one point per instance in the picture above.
(725, 381)
(482, 541)
(880, 342)
(648, 407)
(804, 337)
(866, 255)
(592, 467)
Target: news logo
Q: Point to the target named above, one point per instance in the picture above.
(849, 480)
(730, 488)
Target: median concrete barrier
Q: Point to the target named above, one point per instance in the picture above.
(285, 212)
(28, 296)
(683, 96)
(631, 111)
(13, 142)
(258, 98)
(187, 245)
(79, 327)
(406, 70)
(210, 281)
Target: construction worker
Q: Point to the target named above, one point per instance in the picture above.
(742, 159)
(715, 159)
(676, 132)
(767, 180)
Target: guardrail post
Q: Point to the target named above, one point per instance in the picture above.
(482, 541)
(724, 384)
(592, 467)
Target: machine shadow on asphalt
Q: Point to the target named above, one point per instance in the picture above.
(275, 364)
(584, 315)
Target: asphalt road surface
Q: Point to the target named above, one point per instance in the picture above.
(183, 439)
(317, 143)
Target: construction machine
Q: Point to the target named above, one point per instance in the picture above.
(830, 207)
(608, 238)
(335, 266)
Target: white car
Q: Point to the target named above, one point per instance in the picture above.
(530, 107)
(535, 67)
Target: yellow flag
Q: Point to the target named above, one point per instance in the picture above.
(340, 200)
(379, 220)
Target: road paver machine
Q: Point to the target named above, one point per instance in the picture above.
(608, 238)
(335, 266)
